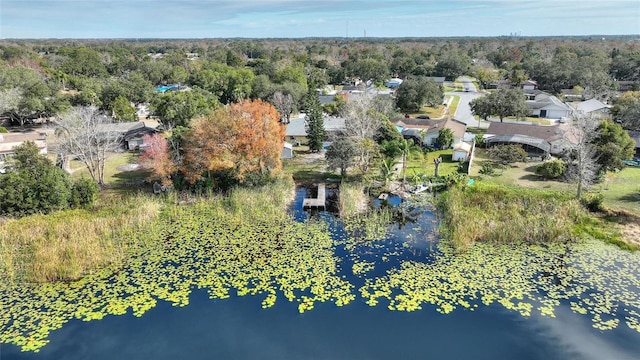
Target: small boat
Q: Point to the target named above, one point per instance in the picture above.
(383, 196)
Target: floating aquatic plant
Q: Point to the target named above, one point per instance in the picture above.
(597, 280)
(228, 250)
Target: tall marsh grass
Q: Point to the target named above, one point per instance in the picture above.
(351, 199)
(497, 214)
(69, 244)
(268, 200)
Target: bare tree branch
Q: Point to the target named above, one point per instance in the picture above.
(284, 104)
(583, 164)
(362, 122)
(87, 134)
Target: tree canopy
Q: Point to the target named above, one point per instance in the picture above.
(35, 185)
(627, 110)
(413, 94)
(241, 138)
(178, 108)
(613, 145)
(502, 103)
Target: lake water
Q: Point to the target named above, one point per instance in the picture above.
(239, 328)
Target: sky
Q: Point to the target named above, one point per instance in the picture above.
(318, 18)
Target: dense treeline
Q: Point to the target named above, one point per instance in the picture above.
(43, 77)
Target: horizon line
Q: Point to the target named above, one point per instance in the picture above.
(325, 37)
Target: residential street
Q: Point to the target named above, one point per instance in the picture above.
(463, 112)
(467, 84)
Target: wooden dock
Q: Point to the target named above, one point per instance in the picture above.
(316, 203)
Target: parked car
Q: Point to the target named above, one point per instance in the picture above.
(423, 117)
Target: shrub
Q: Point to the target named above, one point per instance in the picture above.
(84, 193)
(35, 185)
(593, 201)
(552, 169)
(3, 130)
(507, 154)
(487, 169)
(463, 167)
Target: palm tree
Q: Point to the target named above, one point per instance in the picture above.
(387, 169)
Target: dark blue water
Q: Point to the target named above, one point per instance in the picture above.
(238, 328)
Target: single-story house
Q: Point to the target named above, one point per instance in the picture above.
(130, 132)
(134, 138)
(461, 151)
(628, 85)
(547, 106)
(296, 131)
(592, 106)
(529, 85)
(8, 141)
(526, 85)
(426, 131)
(287, 151)
(534, 138)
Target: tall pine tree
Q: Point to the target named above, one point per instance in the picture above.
(314, 122)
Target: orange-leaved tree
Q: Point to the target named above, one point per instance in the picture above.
(156, 157)
(245, 137)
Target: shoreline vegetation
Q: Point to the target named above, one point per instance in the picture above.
(70, 244)
(486, 213)
(67, 245)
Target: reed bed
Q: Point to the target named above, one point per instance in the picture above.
(66, 245)
(352, 200)
(496, 214)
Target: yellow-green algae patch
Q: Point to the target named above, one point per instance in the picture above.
(201, 245)
(596, 279)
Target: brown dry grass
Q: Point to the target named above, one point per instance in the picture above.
(69, 244)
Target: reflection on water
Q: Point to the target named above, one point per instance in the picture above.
(512, 303)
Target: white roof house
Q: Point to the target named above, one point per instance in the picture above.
(547, 106)
(592, 106)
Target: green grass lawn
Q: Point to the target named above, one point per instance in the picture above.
(621, 190)
(420, 164)
(307, 167)
(456, 87)
(115, 172)
(516, 175)
(434, 112)
(454, 105)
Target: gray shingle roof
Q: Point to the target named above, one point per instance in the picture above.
(591, 105)
(297, 126)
